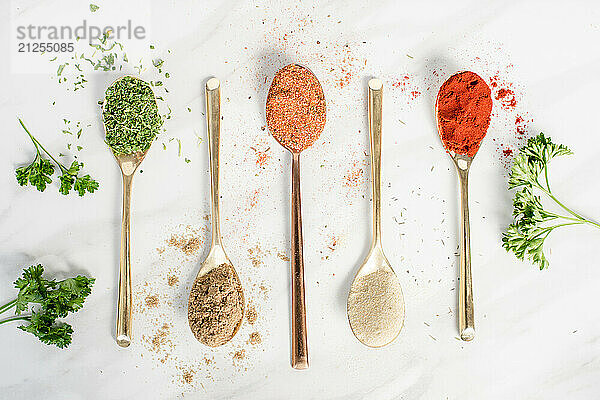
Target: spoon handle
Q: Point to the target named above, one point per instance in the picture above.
(124, 304)
(299, 344)
(375, 121)
(466, 320)
(213, 125)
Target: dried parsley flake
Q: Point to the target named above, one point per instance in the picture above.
(131, 116)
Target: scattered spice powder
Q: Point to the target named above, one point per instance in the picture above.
(216, 306)
(353, 177)
(172, 280)
(295, 108)
(408, 88)
(151, 301)
(504, 93)
(262, 156)
(256, 256)
(239, 355)
(507, 98)
(186, 244)
(188, 377)
(255, 339)
(464, 106)
(251, 314)
(160, 338)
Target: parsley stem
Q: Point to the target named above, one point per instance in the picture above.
(36, 144)
(16, 318)
(546, 176)
(567, 209)
(549, 229)
(8, 306)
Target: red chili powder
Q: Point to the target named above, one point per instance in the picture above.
(295, 108)
(464, 105)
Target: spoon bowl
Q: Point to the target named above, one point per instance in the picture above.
(375, 302)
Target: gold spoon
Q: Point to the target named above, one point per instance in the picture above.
(466, 319)
(299, 356)
(128, 163)
(216, 257)
(375, 301)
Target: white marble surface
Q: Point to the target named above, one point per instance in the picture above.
(538, 333)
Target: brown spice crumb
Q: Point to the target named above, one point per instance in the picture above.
(172, 280)
(256, 256)
(282, 255)
(188, 377)
(160, 338)
(239, 355)
(255, 338)
(186, 244)
(251, 314)
(151, 301)
(216, 306)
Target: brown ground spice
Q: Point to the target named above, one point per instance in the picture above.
(255, 338)
(188, 377)
(216, 306)
(189, 245)
(239, 355)
(151, 301)
(160, 338)
(172, 280)
(251, 314)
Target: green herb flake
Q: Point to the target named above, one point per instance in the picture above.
(131, 116)
(158, 63)
(94, 8)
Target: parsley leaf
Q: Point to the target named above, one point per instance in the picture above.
(39, 172)
(52, 300)
(533, 223)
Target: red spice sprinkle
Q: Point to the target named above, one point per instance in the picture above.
(507, 98)
(295, 108)
(507, 152)
(262, 156)
(464, 105)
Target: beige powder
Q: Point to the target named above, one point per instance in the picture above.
(376, 308)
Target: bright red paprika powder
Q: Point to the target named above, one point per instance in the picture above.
(464, 106)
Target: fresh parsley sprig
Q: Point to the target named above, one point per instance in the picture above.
(39, 172)
(52, 300)
(532, 223)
